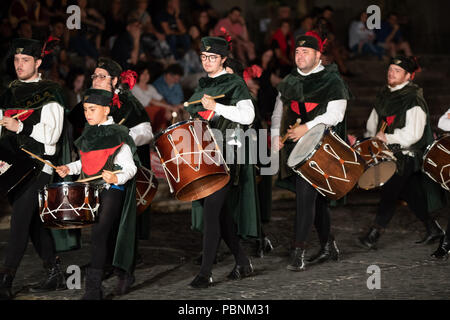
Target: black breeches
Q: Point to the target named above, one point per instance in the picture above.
(218, 224)
(406, 187)
(312, 208)
(110, 209)
(25, 222)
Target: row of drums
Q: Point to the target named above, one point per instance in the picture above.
(194, 168)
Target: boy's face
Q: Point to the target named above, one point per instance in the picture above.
(95, 114)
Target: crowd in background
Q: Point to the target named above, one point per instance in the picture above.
(160, 41)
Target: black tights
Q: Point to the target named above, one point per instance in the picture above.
(218, 224)
(110, 209)
(312, 208)
(25, 222)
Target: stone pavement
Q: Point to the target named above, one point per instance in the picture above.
(407, 271)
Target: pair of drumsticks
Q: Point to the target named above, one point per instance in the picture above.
(198, 101)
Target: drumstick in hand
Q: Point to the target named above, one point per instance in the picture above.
(383, 126)
(122, 121)
(37, 157)
(96, 177)
(296, 124)
(198, 101)
(15, 116)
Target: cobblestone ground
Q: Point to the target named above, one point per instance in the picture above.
(407, 271)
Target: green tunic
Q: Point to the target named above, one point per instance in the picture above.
(242, 200)
(392, 107)
(107, 137)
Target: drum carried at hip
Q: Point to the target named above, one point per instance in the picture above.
(324, 160)
(191, 159)
(436, 161)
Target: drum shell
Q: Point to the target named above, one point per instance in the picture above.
(69, 205)
(436, 162)
(189, 184)
(332, 166)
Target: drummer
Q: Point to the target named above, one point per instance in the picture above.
(104, 147)
(443, 250)
(402, 106)
(316, 94)
(235, 110)
(40, 131)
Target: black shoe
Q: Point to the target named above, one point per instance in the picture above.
(263, 246)
(124, 282)
(6, 280)
(93, 287)
(434, 232)
(241, 272)
(326, 252)
(369, 241)
(443, 250)
(55, 280)
(297, 260)
(201, 282)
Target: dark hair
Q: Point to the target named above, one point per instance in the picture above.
(329, 8)
(235, 8)
(174, 69)
(141, 67)
(73, 74)
(234, 65)
(282, 21)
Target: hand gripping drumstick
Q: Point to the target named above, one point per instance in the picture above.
(383, 126)
(15, 116)
(198, 101)
(37, 157)
(296, 124)
(95, 177)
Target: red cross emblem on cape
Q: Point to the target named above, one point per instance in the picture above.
(205, 114)
(390, 119)
(93, 161)
(308, 106)
(11, 112)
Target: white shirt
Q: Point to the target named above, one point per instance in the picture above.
(124, 159)
(48, 130)
(358, 32)
(412, 132)
(146, 96)
(243, 112)
(335, 109)
(444, 121)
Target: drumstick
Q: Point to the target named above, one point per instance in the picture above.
(122, 121)
(174, 115)
(198, 101)
(296, 124)
(95, 177)
(37, 157)
(15, 116)
(383, 126)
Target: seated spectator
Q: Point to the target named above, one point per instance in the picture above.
(361, 39)
(76, 84)
(172, 26)
(201, 27)
(283, 46)
(159, 111)
(306, 25)
(198, 6)
(168, 85)
(234, 23)
(23, 10)
(24, 29)
(126, 47)
(390, 37)
(193, 69)
(115, 23)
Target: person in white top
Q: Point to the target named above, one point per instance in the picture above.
(400, 104)
(39, 131)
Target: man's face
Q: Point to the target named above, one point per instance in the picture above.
(26, 66)
(235, 16)
(102, 80)
(306, 58)
(58, 30)
(397, 75)
(95, 114)
(172, 79)
(212, 63)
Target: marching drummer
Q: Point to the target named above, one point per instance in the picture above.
(401, 105)
(105, 147)
(234, 110)
(315, 94)
(38, 130)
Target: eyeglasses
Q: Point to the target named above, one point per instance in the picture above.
(100, 76)
(211, 58)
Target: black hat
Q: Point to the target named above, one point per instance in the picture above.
(113, 68)
(29, 47)
(98, 96)
(214, 45)
(308, 42)
(409, 64)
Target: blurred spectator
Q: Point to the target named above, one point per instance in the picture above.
(361, 39)
(390, 37)
(172, 26)
(283, 46)
(306, 25)
(75, 85)
(168, 85)
(201, 26)
(23, 10)
(284, 13)
(198, 6)
(115, 23)
(24, 29)
(234, 23)
(193, 69)
(126, 47)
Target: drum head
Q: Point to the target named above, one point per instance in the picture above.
(306, 146)
(377, 175)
